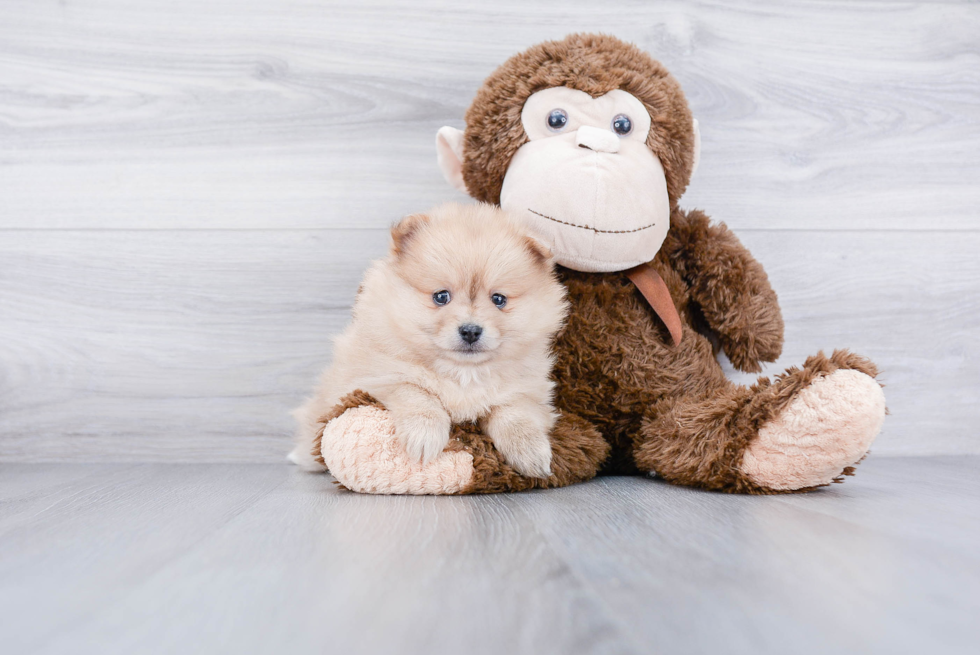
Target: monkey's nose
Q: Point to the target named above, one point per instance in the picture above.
(596, 139)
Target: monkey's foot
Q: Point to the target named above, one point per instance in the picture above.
(821, 434)
(361, 451)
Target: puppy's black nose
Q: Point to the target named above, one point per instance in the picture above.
(470, 333)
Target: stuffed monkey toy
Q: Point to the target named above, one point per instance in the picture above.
(591, 143)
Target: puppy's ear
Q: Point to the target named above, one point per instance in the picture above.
(540, 252)
(404, 230)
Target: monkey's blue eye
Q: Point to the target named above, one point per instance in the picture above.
(557, 119)
(622, 125)
(441, 297)
(499, 300)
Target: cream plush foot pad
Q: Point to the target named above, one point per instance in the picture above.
(829, 426)
(361, 451)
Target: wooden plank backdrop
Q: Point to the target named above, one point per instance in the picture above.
(189, 192)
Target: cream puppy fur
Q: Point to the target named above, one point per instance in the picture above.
(455, 325)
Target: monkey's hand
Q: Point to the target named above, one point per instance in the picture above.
(729, 286)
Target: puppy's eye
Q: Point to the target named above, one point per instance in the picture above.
(499, 300)
(441, 297)
(622, 125)
(557, 120)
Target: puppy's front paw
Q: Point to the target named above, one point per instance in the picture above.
(524, 447)
(424, 435)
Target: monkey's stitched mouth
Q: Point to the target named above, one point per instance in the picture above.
(589, 227)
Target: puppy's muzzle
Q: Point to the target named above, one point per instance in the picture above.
(470, 333)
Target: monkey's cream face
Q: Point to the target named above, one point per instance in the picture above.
(586, 183)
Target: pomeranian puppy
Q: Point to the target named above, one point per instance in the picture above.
(455, 325)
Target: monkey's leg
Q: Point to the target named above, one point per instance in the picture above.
(805, 429)
(578, 451)
(358, 446)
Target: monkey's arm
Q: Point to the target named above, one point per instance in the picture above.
(730, 287)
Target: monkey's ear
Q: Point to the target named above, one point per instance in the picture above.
(697, 148)
(403, 231)
(449, 153)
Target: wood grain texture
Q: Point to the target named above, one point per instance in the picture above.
(253, 113)
(266, 559)
(193, 346)
(168, 345)
(189, 193)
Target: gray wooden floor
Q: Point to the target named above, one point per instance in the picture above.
(171, 558)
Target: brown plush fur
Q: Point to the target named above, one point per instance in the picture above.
(593, 63)
(699, 441)
(621, 379)
(578, 450)
(630, 400)
(661, 407)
